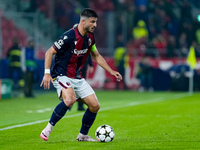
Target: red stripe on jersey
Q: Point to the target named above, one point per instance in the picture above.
(72, 68)
(55, 48)
(84, 59)
(88, 52)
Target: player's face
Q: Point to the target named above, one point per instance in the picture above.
(90, 24)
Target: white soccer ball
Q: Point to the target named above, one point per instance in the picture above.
(105, 133)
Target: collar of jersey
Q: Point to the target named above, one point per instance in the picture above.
(80, 33)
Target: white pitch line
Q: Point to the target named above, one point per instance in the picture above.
(146, 101)
(103, 109)
(39, 110)
(36, 122)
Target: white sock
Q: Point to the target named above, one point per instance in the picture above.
(49, 126)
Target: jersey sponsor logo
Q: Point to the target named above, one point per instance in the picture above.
(59, 43)
(79, 52)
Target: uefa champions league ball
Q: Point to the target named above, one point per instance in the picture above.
(105, 133)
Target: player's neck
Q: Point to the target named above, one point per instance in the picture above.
(81, 30)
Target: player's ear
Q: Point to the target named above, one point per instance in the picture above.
(84, 21)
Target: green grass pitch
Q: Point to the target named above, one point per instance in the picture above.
(141, 121)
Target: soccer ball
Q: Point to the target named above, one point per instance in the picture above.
(105, 133)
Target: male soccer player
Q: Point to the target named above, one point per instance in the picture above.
(71, 51)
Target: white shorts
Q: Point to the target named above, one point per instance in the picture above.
(81, 88)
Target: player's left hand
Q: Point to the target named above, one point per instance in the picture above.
(117, 75)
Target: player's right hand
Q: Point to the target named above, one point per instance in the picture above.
(47, 80)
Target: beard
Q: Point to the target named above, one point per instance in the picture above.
(88, 29)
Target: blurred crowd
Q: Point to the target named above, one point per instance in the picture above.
(160, 28)
(155, 28)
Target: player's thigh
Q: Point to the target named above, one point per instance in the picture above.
(68, 96)
(92, 102)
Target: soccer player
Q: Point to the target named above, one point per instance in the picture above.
(71, 51)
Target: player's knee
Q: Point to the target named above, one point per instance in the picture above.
(70, 100)
(95, 108)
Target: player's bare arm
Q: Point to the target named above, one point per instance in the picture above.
(101, 62)
(47, 79)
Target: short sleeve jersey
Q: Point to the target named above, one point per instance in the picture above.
(72, 51)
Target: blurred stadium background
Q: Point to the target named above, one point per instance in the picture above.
(162, 30)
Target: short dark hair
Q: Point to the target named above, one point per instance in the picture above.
(88, 12)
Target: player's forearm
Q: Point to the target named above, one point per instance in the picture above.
(48, 58)
(101, 62)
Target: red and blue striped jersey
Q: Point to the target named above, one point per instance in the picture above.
(72, 51)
